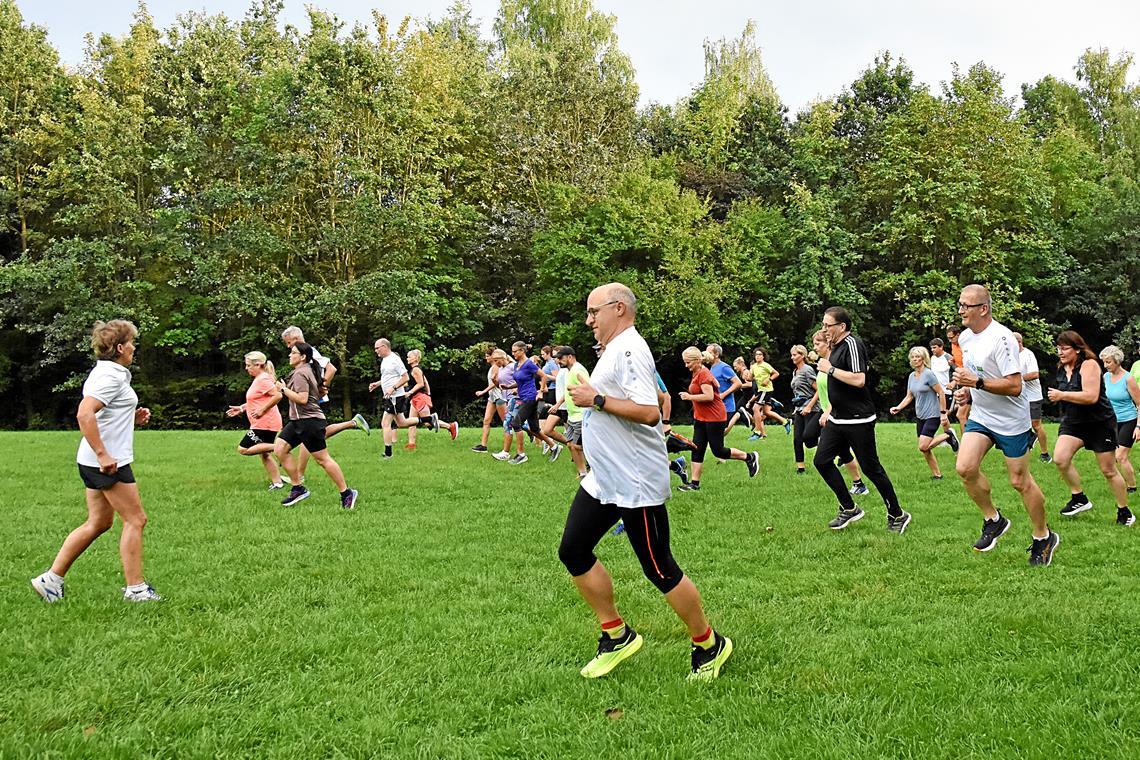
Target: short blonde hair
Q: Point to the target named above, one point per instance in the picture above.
(1114, 352)
(258, 359)
(920, 351)
(106, 336)
(692, 353)
(417, 353)
(799, 349)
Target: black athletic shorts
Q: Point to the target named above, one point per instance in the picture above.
(93, 477)
(253, 437)
(927, 427)
(1124, 431)
(309, 433)
(1097, 437)
(396, 405)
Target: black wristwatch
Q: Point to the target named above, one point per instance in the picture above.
(599, 402)
(830, 371)
(981, 384)
(666, 422)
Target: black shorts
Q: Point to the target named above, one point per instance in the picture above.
(1097, 437)
(1035, 409)
(1124, 431)
(927, 427)
(253, 437)
(309, 433)
(526, 412)
(396, 405)
(93, 477)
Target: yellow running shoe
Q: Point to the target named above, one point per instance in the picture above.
(611, 652)
(708, 662)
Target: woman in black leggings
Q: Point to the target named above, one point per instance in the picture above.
(709, 418)
(805, 402)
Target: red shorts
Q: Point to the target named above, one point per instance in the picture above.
(421, 402)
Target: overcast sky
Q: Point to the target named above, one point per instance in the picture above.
(811, 49)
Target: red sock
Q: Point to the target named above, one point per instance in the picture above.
(614, 629)
(705, 640)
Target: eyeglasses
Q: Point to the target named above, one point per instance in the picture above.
(964, 306)
(827, 325)
(593, 310)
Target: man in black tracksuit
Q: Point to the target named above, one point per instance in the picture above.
(852, 423)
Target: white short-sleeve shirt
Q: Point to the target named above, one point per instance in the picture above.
(940, 366)
(391, 368)
(993, 354)
(323, 361)
(628, 464)
(110, 383)
(1030, 388)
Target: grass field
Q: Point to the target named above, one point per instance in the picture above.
(435, 621)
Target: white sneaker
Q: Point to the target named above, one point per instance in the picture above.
(148, 594)
(545, 448)
(555, 451)
(276, 486)
(51, 592)
(502, 456)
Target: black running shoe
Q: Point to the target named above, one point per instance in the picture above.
(1075, 506)
(688, 487)
(1125, 517)
(1131, 489)
(296, 494)
(992, 530)
(479, 448)
(348, 498)
(1041, 550)
(845, 517)
(1046, 459)
(752, 459)
(706, 663)
(898, 524)
(953, 441)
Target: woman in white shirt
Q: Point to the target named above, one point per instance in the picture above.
(107, 417)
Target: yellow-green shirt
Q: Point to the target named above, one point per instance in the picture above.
(762, 374)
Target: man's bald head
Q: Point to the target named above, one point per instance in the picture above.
(616, 291)
(976, 294)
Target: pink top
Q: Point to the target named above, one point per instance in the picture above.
(258, 395)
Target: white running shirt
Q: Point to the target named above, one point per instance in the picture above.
(940, 366)
(110, 382)
(628, 464)
(991, 355)
(1030, 388)
(391, 368)
(323, 362)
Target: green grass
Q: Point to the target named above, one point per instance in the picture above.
(436, 621)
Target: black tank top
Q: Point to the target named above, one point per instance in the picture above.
(412, 383)
(1099, 411)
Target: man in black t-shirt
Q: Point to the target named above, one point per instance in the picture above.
(852, 423)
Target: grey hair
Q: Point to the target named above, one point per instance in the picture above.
(1113, 352)
(716, 350)
(292, 331)
(622, 293)
(385, 341)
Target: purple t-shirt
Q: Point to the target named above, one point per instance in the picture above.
(525, 376)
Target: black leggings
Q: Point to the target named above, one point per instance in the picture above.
(647, 529)
(806, 432)
(709, 435)
(837, 440)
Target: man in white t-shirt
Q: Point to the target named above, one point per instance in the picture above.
(291, 336)
(393, 383)
(991, 380)
(628, 480)
(1031, 377)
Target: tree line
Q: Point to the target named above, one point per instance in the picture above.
(220, 179)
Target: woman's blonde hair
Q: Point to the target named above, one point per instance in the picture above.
(417, 353)
(258, 359)
(801, 350)
(920, 351)
(107, 336)
(692, 353)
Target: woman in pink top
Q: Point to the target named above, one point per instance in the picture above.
(260, 408)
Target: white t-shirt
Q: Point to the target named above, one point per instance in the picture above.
(391, 368)
(110, 382)
(628, 464)
(323, 361)
(940, 366)
(992, 354)
(1031, 389)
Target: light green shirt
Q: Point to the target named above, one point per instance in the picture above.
(576, 375)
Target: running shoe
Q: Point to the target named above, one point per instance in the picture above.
(434, 422)
(410, 447)
(845, 517)
(348, 500)
(936, 477)
(898, 524)
(680, 468)
(611, 653)
(752, 459)
(1076, 505)
(992, 530)
(555, 451)
(545, 448)
(477, 448)
(1131, 489)
(688, 487)
(362, 424)
(502, 456)
(1125, 517)
(788, 427)
(453, 428)
(1046, 459)
(754, 437)
(51, 592)
(147, 594)
(296, 494)
(859, 488)
(1041, 550)
(953, 441)
(706, 663)
(517, 459)
(801, 471)
(618, 529)
(276, 486)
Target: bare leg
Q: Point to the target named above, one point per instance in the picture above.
(1063, 452)
(1124, 464)
(289, 462)
(686, 602)
(925, 446)
(578, 457)
(302, 463)
(1107, 462)
(271, 468)
(1022, 481)
(852, 468)
(1042, 438)
(488, 417)
(100, 515)
(124, 499)
(597, 589)
(331, 468)
(969, 467)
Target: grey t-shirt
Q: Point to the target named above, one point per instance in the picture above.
(925, 399)
(803, 387)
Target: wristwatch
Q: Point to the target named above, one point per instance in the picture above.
(981, 384)
(599, 402)
(830, 371)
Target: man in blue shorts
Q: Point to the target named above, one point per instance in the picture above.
(991, 381)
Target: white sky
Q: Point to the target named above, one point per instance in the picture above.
(811, 49)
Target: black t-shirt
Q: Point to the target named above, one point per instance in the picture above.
(849, 403)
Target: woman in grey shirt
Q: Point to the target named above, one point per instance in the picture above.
(805, 402)
(929, 398)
